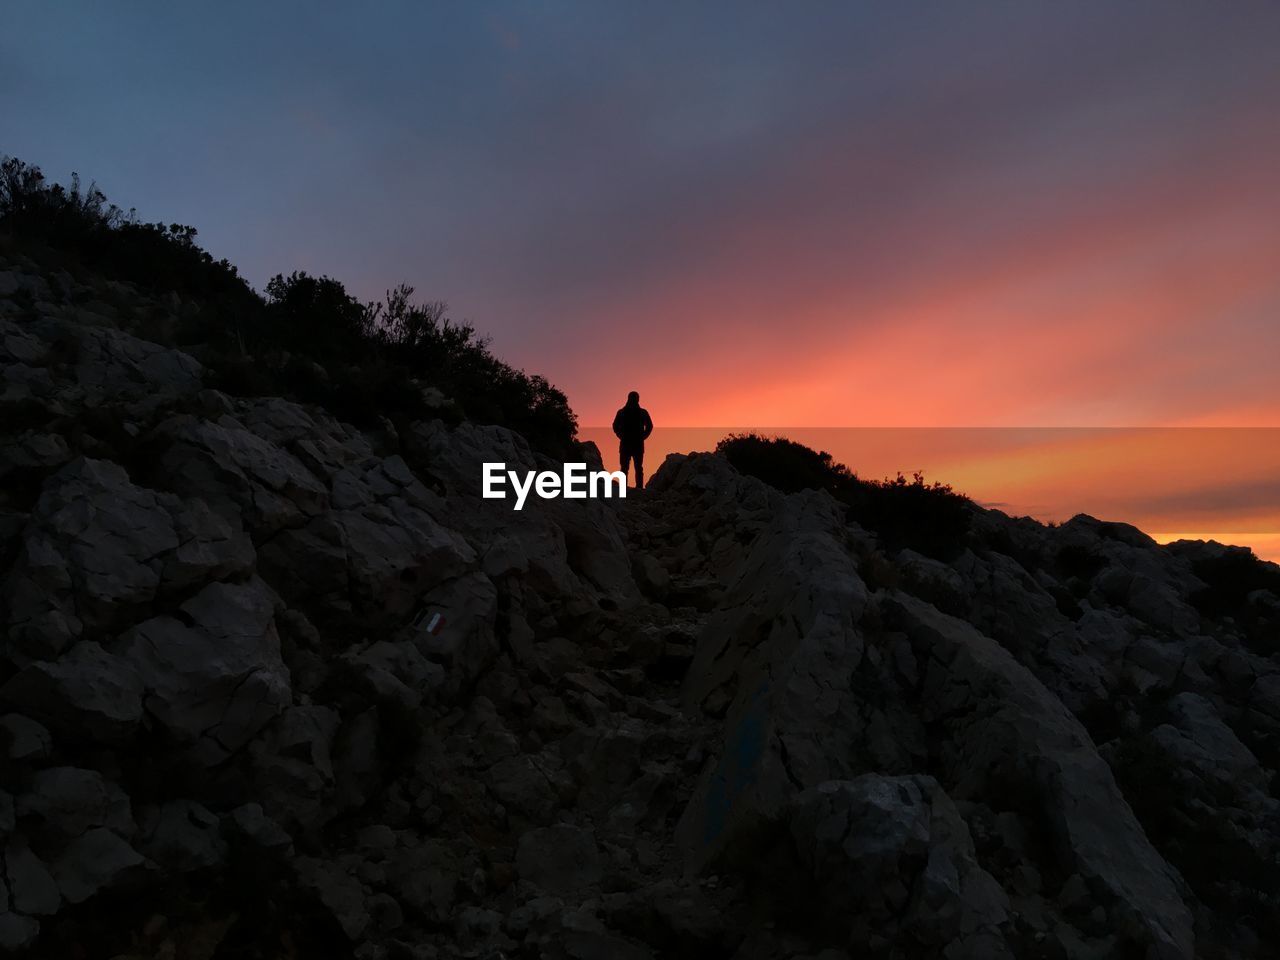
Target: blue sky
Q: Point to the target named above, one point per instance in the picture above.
(771, 210)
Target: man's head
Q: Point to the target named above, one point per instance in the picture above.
(633, 398)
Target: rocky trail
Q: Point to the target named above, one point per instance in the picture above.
(715, 720)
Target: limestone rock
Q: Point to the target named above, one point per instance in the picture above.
(340, 894)
(1008, 726)
(68, 801)
(182, 835)
(241, 474)
(27, 740)
(561, 859)
(895, 847)
(249, 822)
(17, 932)
(214, 677)
(87, 694)
(293, 765)
(1201, 741)
(32, 889)
(95, 861)
(715, 720)
(99, 548)
(425, 877)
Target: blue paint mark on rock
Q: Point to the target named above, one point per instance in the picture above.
(739, 765)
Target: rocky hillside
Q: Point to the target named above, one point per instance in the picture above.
(717, 721)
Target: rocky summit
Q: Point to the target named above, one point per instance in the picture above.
(716, 720)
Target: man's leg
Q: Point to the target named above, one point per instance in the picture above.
(638, 456)
(624, 458)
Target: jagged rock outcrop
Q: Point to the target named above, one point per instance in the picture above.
(715, 721)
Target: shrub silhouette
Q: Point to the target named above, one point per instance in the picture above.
(308, 339)
(81, 224)
(318, 315)
(452, 356)
(930, 518)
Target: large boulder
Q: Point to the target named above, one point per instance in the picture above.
(1201, 743)
(113, 366)
(892, 856)
(86, 695)
(247, 478)
(26, 739)
(561, 859)
(1003, 732)
(322, 444)
(775, 656)
(101, 366)
(212, 672)
(32, 889)
(96, 861)
(340, 894)
(292, 764)
(182, 836)
(65, 802)
(98, 549)
(373, 556)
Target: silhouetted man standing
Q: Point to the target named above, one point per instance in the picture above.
(632, 427)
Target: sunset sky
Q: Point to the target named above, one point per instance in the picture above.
(813, 214)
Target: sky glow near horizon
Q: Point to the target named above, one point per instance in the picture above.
(991, 214)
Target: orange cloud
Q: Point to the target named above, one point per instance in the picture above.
(1140, 306)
